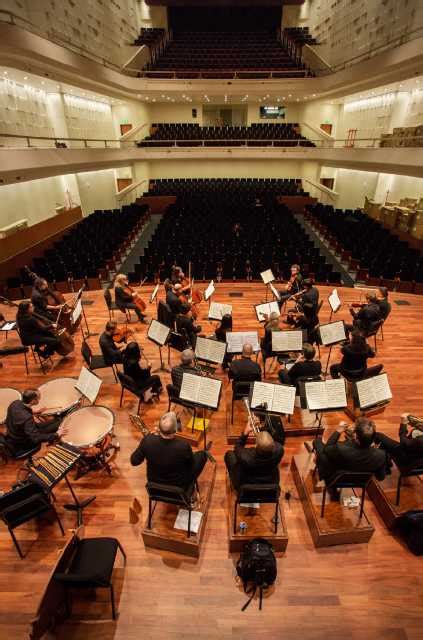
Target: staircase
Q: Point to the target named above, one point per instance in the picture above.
(141, 244)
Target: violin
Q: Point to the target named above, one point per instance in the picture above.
(137, 300)
(122, 334)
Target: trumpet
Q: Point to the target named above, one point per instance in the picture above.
(253, 420)
(416, 423)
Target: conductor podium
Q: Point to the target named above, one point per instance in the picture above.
(340, 524)
(163, 534)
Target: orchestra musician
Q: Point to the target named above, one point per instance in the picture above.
(305, 366)
(294, 284)
(271, 324)
(141, 376)
(308, 305)
(244, 369)
(186, 366)
(254, 465)
(23, 430)
(368, 315)
(170, 460)
(112, 352)
(39, 299)
(37, 331)
(409, 450)
(125, 298)
(173, 295)
(383, 303)
(185, 324)
(220, 334)
(355, 354)
(355, 454)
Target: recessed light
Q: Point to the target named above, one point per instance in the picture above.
(25, 77)
(314, 95)
(5, 73)
(289, 95)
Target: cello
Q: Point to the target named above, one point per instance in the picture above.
(136, 298)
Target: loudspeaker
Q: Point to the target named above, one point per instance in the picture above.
(194, 113)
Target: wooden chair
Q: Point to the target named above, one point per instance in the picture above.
(348, 480)
(259, 493)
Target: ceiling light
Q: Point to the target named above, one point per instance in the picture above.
(314, 95)
(5, 73)
(25, 77)
(289, 95)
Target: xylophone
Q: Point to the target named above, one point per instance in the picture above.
(51, 468)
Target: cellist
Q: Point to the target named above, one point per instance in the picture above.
(126, 298)
(39, 298)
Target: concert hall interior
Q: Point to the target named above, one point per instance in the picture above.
(211, 281)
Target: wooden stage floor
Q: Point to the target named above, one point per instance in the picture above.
(351, 592)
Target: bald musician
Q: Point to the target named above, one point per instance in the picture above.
(368, 315)
(244, 369)
(173, 295)
(408, 451)
(254, 465)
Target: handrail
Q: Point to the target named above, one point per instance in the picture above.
(124, 192)
(321, 187)
(126, 136)
(345, 143)
(196, 74)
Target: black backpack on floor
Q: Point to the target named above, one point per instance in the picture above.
(410, 528)
(257, 568)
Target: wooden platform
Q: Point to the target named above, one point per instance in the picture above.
(163, 535)
(340, 525)
(384, 494)
(258, 523)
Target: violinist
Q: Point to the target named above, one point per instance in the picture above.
(307, 304)
(383, 302)
(112, 352)
(185, 324)
(173, 295)
(125, 298)
(368, 315)
(35, 330)
(294, 284)
(39, 298)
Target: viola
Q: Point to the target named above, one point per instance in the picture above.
(122, 334)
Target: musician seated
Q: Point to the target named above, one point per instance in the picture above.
(112, 352)
(270, 325)
(294, 285)
(245, 370)
(409, 450)
(305, 366)
(124, 297)
(383, 303)
(220, 334)
(355, 454)
(354, 359)
(24, 428)
(308, 304)
(185, 324)
(367, 317)
(40, 301)
(37, 332)
(173, 299)
(170, 460)
(186, 366)
(141, 376)
(254, 465)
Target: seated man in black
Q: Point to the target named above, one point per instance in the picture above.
(125, 298)
(382, 300)
(366, 318)
(245, 370)
(409, 450)
(305, 367)
(254, 465)
(23, 432)
(112, 352)
(40, 301)
(170, 460)
(354, 359)
(294, 285)
(35, 331)
(173, 299)
(355, 454)
(185, 324)
(186, 366)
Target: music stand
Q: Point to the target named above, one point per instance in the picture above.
(267, 277)
(330, 334)
(209, 291)
(334, 303)
(305, 403)
(201, 355)
(88, 384)
(381, 392)
(267, 393)
(154, 295)
(193, 389)
(159, 334)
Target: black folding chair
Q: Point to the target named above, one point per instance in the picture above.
(348, 480)
(95, 362)
(260, 493)
(414, 470)
(170, 494)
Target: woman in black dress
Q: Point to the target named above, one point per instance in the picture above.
(141, 376)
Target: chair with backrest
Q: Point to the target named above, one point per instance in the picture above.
(348, 480)
(6, 452)
(176, 341)
(376, 326)
(111, 306)
(22, 504)
(170, 494)
(165, 315)
(240, 390)
(90, 566)
(127, 384)
(261, 494)
(13, 347)
(413, 470)
(95, 361)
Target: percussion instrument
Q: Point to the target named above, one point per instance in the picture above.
(51, 468)
(7, 396)
(59, 396)
(88, 427)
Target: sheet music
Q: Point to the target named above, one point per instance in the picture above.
(200, 390)
(373, 390)
(209, 291)
(217, 310)
(334, 301)
(158, 332)
(287, 340)
(327, 394)
(274, 291)
(210, 350)
(278, 398)
(76, 312)
(8, 326)
(267, 276)
(181, 521)
(236, 340)
(332, 332)
(266, 308)
(88, 384)
(155, 292)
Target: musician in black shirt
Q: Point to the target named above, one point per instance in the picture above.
(170, 460)
(185, 324)
(354, 359)
(409, 450)
(124, 298)
(294, 284)
(141, 376)
(23, 430)
(245, 370)
(112, 352)
(305, 367)
(173, 299)
(368, 315)
(186, 366)
(40, 301)
(383, 303)
(35, 331)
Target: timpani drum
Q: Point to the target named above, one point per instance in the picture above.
(89, 428)
(7, 396)
(59, 396)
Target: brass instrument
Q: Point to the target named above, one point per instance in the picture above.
(253, 420)
(416, 423)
